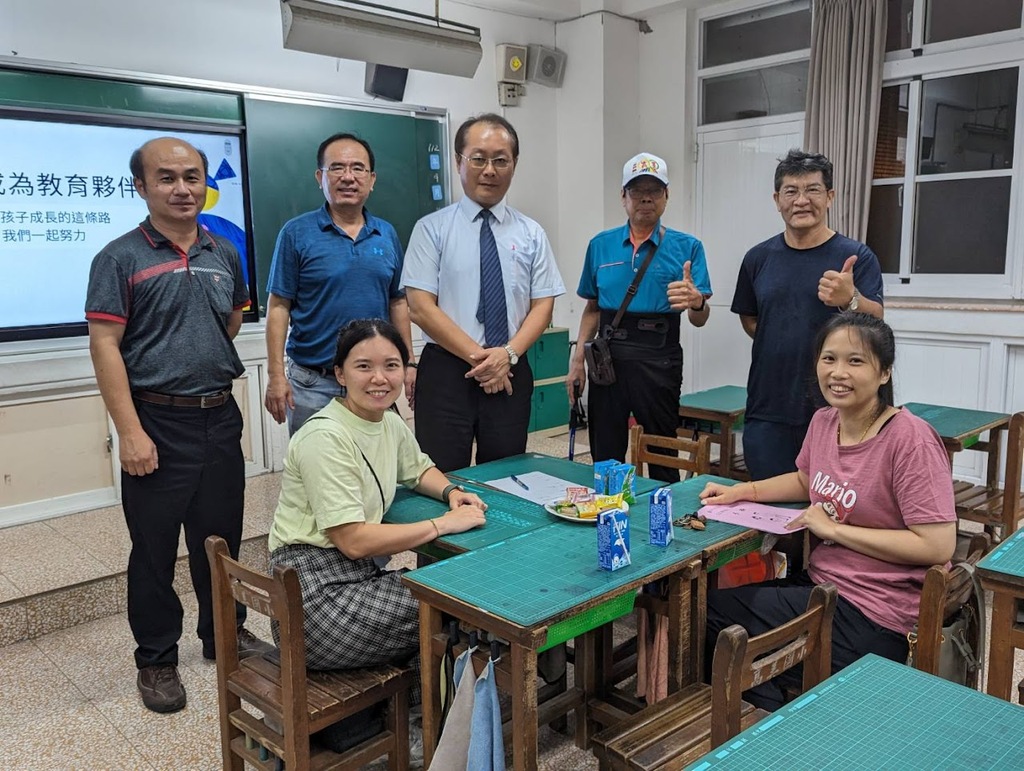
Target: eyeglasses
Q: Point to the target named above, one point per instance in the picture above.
(338, 170)
(811, 191)
(654, 193)
(479, 163)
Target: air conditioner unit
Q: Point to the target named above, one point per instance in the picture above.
(350, 30)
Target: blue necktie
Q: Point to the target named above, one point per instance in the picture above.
(492, 311)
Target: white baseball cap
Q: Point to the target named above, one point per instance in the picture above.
(645, 165)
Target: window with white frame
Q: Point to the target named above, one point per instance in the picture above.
(753, 63)
(945, 200)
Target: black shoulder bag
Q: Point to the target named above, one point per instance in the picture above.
(598, 352)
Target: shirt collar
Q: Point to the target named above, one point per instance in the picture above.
(654, 238)
(471, 209)
(324, 221)
(156, 239)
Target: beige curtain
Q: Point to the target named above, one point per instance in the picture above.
(843, 92)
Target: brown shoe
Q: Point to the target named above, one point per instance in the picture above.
(251, 645)
(161, 688)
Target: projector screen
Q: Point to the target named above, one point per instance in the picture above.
(66, 191)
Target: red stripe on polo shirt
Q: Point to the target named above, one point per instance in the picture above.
(154, 270)
(96, 316)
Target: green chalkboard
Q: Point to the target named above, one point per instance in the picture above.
(282, 139)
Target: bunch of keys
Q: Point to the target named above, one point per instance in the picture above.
(692, 521)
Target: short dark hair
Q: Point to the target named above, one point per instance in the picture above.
(337, 138)
(875, 334)
(797, 163)
(356, 331)
(493, 119)
(138, 168)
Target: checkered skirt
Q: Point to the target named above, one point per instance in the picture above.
(357, 615)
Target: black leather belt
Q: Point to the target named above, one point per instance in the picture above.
(327, 372)
(168, 400)
(653, 330)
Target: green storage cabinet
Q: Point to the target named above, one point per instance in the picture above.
(550, 404)
(549, 356)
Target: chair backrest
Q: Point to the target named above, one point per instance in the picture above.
(694, 456)
(742, 662)
(944, 593)
(1012, 477)
(278, 596)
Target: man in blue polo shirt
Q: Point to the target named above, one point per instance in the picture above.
(645, 349)
(331, 265)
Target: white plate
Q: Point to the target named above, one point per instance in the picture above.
(550, 508)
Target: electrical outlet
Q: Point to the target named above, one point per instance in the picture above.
(508, 95)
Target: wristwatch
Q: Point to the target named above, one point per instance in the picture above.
(513, 357)
(703, 305)
(854, 301)
(446, 493)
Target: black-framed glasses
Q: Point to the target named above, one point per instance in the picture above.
(338, 170)
(480, 163)
(654, 193)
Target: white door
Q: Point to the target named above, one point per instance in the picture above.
(735, 210)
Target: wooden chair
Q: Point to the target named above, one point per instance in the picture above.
(697, 718)
(944, 594)
(693, 456)
(298, 703)
(989, 504)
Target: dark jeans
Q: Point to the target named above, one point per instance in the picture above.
(760, 607)
(770, 449)
(452, 411)
(649, 389)
(199, 485)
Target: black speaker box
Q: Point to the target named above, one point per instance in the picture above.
(385, 82)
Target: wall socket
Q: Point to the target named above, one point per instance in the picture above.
(508, 94)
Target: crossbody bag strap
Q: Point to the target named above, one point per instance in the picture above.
(980, 594)
(634, 285)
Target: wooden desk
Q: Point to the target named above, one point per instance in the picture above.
(877, 713)
(1002, 571)
(721, 409)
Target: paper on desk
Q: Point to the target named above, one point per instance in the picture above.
(544, 488)
(758, 516)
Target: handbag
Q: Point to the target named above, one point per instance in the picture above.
(598, 352)
(958, 659)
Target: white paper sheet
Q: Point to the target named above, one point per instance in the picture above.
(543, 488)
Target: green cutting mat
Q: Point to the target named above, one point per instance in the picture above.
(953, 421)
(544, 572)
(878, 714)
(722, 399)
(1008, 557)
(685, 500)
(577, 473)
(507, 516)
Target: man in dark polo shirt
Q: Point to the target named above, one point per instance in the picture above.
(164, 304)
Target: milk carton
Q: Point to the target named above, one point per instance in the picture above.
(613, 539)
(601, 469)
(661, 517)
(621, 478)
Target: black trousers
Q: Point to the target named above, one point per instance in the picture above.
(770, 449)
(452, 411)
(760, 607)
(648, 387)
(199, 484)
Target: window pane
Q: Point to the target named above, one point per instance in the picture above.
(885, 225)
(891, 147)
(952, 19)
(961, 226)
(967, 122)
(768, 91)
(776, 29)
(899, 24)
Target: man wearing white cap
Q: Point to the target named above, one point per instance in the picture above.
(645, 350)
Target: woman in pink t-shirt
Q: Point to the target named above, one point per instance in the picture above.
(881, 512)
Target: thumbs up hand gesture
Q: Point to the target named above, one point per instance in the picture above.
(683, 295)
(836, 287)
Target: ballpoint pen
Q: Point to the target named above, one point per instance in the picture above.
(519, 482)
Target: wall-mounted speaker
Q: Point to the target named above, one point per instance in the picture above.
(511, 63)
(545, 65)
(385, 82)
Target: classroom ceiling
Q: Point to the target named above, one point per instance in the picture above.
(563, 10)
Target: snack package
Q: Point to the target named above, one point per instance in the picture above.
(613, 539)
(661, 517)
(601, 469)
(621, 479)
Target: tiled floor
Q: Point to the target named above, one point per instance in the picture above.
(68, 698)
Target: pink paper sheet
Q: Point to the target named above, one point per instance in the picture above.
(758, 516)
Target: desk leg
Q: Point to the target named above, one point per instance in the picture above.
(1000, 659)
(686, 619)
(725, 463)
(524, 708)
(430, 671)
(995, 437)
(585, 677)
